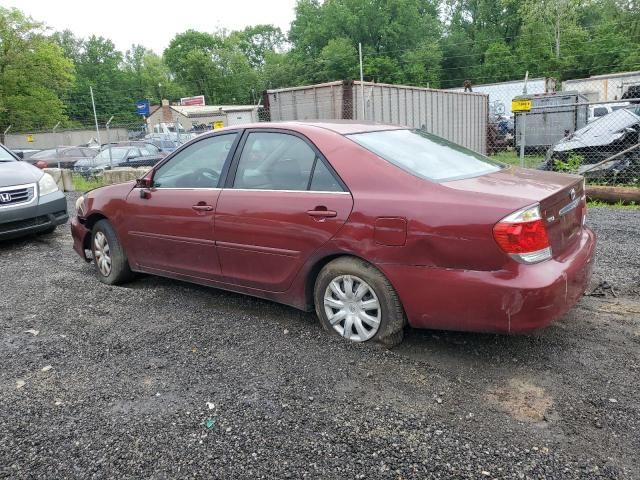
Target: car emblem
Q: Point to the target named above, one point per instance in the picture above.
(5, 197)
(572, 194)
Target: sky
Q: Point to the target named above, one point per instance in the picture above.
(153, 23)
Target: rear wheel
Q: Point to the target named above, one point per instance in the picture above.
(108, 255)
(356, 301)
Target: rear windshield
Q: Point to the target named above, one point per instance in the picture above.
(425, 155)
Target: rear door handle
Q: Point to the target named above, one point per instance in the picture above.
(322, 212)
(202, 208)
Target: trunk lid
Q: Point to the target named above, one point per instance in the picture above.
(563, 213)
(561, 198)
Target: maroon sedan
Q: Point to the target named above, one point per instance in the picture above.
(372, 226)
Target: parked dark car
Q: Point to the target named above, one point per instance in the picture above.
(117, 156)
(30, 201)
(24, 153)
(166, 146)
(371, 225)
(62, 157)
(598, 141)
(149, 148)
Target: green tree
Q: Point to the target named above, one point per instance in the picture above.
(400, 39)
(338, 60)
(499, 64)
(34, 74)
(213, 65)
(99, 66)
(257, 41)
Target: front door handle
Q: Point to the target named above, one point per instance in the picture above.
(322, 212)
(202, 208)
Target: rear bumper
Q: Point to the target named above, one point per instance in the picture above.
(50, 211)
(527, 298)
(80, 235)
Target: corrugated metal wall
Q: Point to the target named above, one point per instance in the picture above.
(458, 117)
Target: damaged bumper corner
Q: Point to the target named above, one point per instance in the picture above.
(81, 238)
(528, 298)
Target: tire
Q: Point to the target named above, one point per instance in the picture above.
(332, 298)
(113, 256)
(49, 230)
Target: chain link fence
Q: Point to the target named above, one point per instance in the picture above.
(590, 128)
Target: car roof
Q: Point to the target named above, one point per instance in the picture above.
(342, 127)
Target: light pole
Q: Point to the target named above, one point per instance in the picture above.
(109, 143)
(95, 117)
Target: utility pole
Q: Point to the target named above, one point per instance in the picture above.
(524, 122)
(109, 143)
(95, 117)
(361, 81)
(4, 135)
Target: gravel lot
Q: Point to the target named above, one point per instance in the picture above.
(164, 379)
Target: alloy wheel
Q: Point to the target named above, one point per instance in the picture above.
(352, 308)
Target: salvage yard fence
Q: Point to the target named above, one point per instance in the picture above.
(590, 128)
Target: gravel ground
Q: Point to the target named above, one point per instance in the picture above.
(164, 379)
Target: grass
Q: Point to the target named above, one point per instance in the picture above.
(513, 158)
(620, 204)
(83, 184)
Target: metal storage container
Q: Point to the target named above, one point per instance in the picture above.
(552, 117)
(459, 117)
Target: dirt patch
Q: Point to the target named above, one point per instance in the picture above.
(523, 400)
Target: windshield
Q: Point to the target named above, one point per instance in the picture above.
(5, 156)
(117, 153)
(425, 155)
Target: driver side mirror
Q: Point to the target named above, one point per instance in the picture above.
(144, 182)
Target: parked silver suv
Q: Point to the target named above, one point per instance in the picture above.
(30, 201)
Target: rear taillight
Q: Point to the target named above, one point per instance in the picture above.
(523, 236)
(41, 164)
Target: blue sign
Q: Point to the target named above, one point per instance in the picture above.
(142, 107)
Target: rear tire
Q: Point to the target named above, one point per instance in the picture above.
(354, 300)
(109, 257)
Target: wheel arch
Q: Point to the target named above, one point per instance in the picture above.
(314, 271)
(89, 223)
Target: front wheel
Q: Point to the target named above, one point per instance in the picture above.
(108, 255)
(355, 300)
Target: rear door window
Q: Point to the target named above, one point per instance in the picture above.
(323, 180)
(426, 156)
(599, 111)
(274, 161)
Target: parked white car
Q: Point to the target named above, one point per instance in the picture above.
(600, 110)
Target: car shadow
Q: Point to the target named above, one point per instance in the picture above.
(448, 350)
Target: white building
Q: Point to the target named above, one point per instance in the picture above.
(501, 94)
(603, 88)
(194, 115)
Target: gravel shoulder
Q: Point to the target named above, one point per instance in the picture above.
(165, 379)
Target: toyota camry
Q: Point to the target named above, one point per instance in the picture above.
(372, 226)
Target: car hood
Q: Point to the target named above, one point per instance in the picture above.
(18, 173)
(603, 131)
